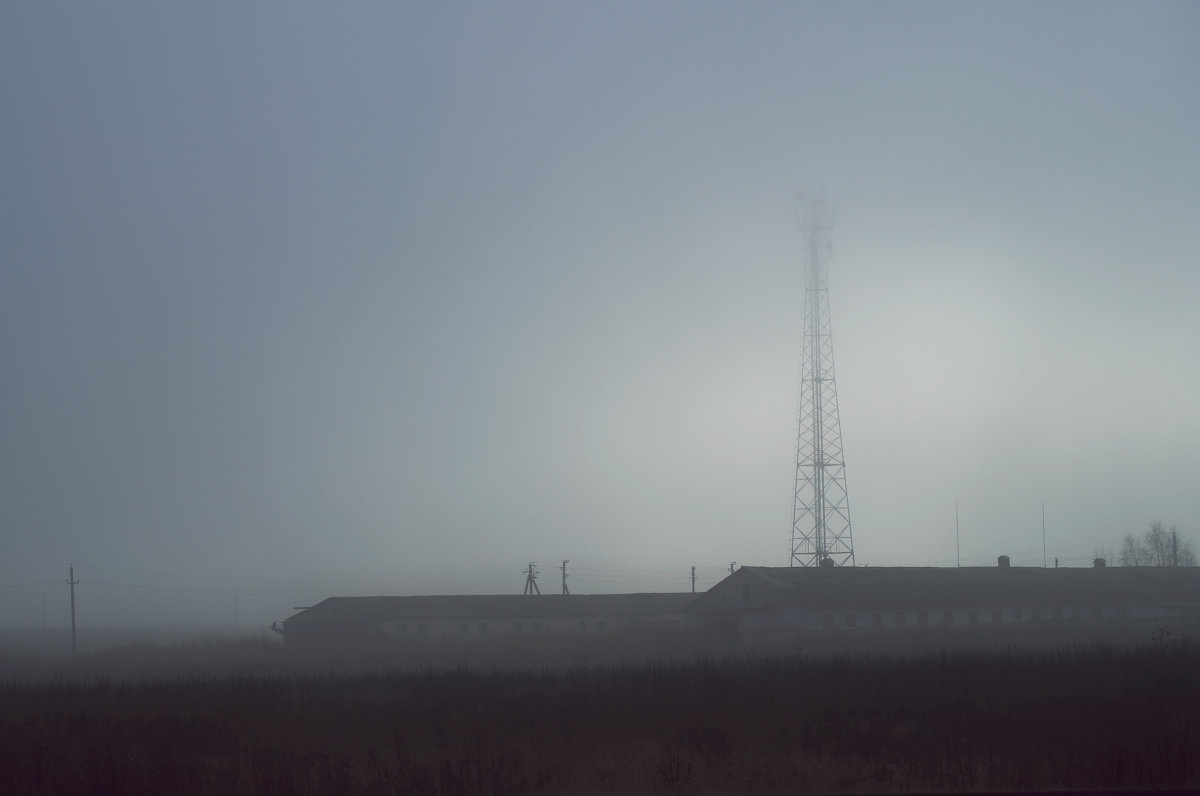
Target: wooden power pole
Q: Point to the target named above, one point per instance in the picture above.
(71, 580)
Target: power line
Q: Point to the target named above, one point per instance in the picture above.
(309, 580)
(201, 590)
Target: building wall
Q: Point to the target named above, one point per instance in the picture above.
(801, 619)
(468, 630)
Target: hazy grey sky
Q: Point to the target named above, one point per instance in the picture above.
(311, 299)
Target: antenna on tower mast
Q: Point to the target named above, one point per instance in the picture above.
(821, 508)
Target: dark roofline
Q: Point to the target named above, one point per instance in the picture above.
(497, 606)
(883, 588)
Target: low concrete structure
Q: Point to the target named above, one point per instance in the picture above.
(470, 618)
(781, 600)
(776, 602)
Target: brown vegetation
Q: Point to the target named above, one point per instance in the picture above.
(1101, 717)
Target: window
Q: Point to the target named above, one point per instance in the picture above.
(536, 627)
(518, 627)
(401, 629)
(482, 628)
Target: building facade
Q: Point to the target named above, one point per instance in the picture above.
(776, 603)
(761, 601)
(474, 618)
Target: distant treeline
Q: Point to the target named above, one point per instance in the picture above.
(1100, 717)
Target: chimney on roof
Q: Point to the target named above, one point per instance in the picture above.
(1099, 563)
(1002, 562)
(827, 563)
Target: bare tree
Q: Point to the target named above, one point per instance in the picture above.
(1131, 552)
(1159, 546)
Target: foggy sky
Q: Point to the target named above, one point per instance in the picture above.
(310, 299)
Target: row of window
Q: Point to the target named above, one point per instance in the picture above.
(875, 619)
(481, 628)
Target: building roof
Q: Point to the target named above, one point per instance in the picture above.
(883, 588)
(497, 606)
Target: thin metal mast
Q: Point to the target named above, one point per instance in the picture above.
(1044, 561)
(821, 511)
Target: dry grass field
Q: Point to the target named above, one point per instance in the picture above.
(1090, 717)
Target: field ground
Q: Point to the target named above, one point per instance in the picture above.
(243, 717)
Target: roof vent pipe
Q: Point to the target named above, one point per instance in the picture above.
(1002, 562)
(1099, 563)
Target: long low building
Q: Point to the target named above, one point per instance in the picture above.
(766, 600)
(464, 618)
(775, 601)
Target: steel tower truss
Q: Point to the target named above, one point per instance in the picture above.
(821, 511)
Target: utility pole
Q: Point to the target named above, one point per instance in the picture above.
(693, 579)
(531, 574)
(564, 572)
(732, 564)
(71, 580)
(1174, 548)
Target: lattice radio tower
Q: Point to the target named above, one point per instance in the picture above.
(821, 512)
